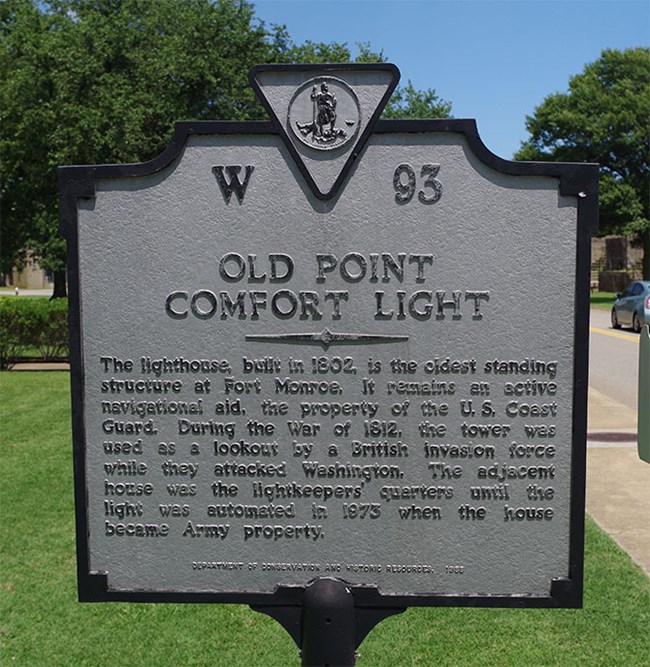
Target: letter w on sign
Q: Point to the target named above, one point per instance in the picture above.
(232, 182)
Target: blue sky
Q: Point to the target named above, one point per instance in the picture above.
(494, 60)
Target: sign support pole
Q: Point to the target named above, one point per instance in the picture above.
(328, 619)
(328, 624)
(643, 430)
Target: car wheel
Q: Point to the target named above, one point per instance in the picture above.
(615, 323)
(636, 323)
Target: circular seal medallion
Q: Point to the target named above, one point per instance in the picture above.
(324, 113)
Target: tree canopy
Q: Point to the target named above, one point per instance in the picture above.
(604, 117)
(103, 81)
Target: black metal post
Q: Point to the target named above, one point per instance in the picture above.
(328, 624)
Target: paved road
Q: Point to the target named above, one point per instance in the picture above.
(614, 360)
(618, 482)
(26, 292)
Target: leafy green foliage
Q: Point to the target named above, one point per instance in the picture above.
(103, 81)
(604, 117)
(38, 325)
(98, 81)
(319, 52)
(10, 334)
(408, 102)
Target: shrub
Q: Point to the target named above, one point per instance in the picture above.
(10, 338)
(32, 327)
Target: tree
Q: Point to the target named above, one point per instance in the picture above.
(604, 117)
(406, 101)
(103, 81)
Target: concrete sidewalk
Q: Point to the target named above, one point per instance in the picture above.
(618, 481)
(26, 292)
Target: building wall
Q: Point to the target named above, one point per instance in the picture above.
(31, 277)
(632, 257)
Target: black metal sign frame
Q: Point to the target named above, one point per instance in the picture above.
(579, 180)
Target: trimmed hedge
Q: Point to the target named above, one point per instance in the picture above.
(32, 327)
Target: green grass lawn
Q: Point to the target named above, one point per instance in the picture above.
(602, 300)
(42, 624)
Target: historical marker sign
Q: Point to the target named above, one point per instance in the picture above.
(330, 346)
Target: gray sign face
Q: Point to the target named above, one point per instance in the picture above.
(379, 386)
